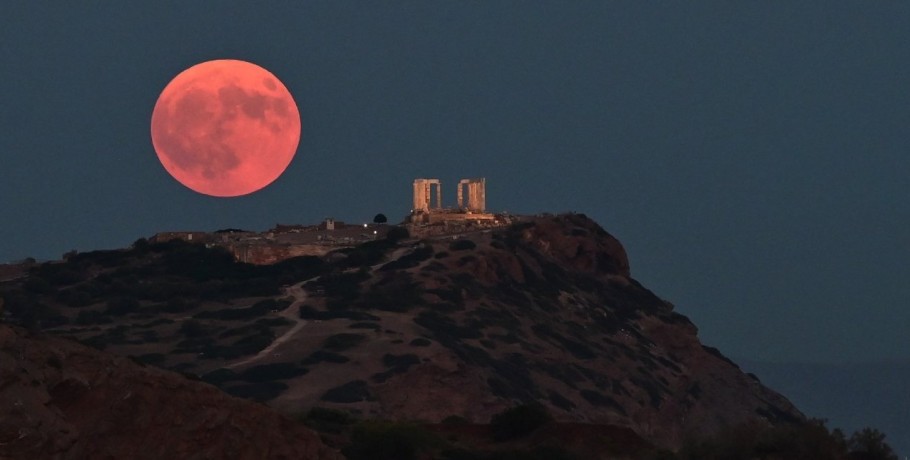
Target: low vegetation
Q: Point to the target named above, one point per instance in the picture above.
(327, 420)
(519, 421)
(494, 316)
(260, 391)
(380, 440)
(147, 279)
(788, 441)
(528, 432)
(351, 392)
(322, 356)
(343, 341)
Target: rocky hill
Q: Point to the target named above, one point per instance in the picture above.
(64, 400)
(468, 325)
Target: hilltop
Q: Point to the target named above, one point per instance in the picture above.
(544, 310)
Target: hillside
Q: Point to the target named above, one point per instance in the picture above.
(544, 310)
(64, 400)
(849, 395)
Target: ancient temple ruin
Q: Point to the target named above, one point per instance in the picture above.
(477, 199)
(423, 189)
(471, 205)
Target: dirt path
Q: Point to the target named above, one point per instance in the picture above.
(290, 313)
(396, 254)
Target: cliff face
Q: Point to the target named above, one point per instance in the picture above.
(64, 400)
(544, 310)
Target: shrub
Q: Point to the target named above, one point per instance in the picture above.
(75, 297)
(37, 285)
(308, 312)
(291, 270)
(327, 420)
(121, 306)
(462, 245)
(343, 341)
(92, 317)
(400, 361)
(261, 326)
(342, 288)
(269, 372)
(60, 274)
(201, 263)
(560, 401)
(601, 400)
(178, 305)
(444, 327)
(455, 420)
(809, 439)
(388, 441)
(465, 261)
(236, 314)
(518, 421)
(397, 234)
(54, 361)
(219, 376)
(395, 292)
(248, 345)
(260, 391)
(141, 245)
(193, 329)
(869, 444)
(351, 392)
(366, 254)
(320, 356)
(398, 364)
(155, 359)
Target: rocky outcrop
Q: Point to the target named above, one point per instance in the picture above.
(577, 243)
(63, 400)
(265, 252)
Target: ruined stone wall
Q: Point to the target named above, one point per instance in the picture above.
(443, 224)
(193, 237)
(265, 254)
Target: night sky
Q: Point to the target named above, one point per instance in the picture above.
(751, 156)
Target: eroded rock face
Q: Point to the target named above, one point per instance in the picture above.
(579, 244)
(64, 400)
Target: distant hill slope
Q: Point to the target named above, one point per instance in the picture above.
(544, 310)
(64, 400)
(849, 396)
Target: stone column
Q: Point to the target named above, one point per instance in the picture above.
(472, 196)
(421, 195)
(438, 195)
(460, 195)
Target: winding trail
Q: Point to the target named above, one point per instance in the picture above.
(290, 313)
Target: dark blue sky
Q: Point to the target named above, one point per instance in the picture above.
(752, 156)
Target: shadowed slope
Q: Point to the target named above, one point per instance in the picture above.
(64, 400)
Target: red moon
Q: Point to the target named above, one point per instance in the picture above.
(225, 128)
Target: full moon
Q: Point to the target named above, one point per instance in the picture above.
(225, 128)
